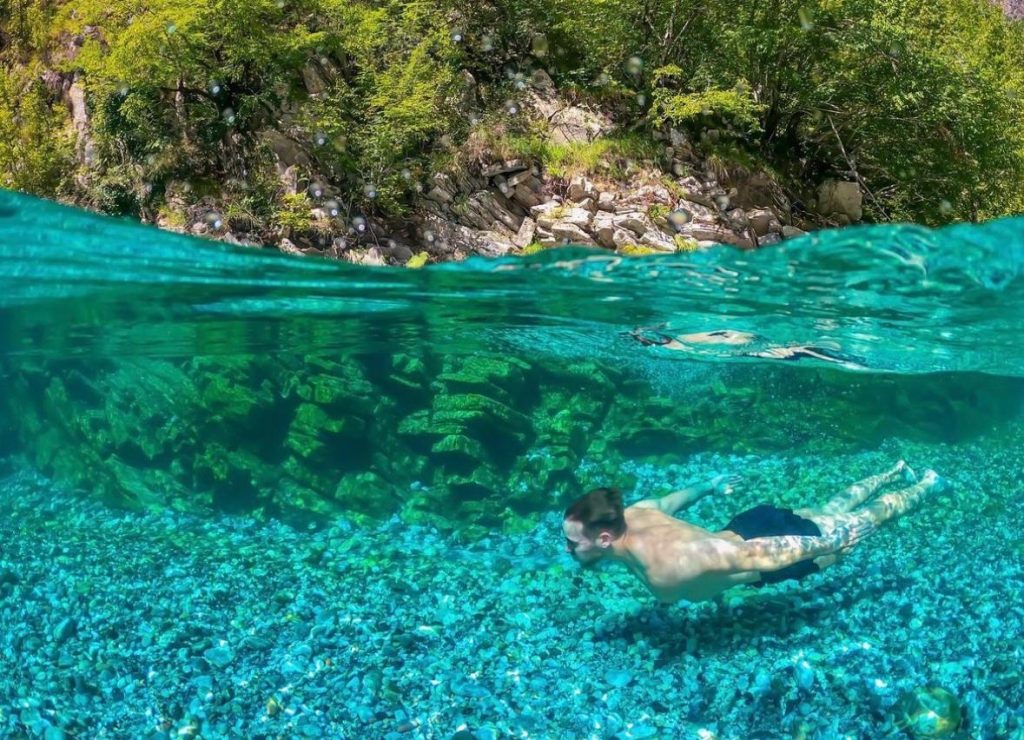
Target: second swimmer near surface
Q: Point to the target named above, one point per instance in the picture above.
(654, 336)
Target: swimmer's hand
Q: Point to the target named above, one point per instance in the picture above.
(723, 485)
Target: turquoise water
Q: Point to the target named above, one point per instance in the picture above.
(252, 495)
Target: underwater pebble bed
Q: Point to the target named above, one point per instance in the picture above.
(116, 624)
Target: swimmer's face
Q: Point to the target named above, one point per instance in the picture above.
(584, 550)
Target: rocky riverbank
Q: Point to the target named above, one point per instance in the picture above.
(681, 201)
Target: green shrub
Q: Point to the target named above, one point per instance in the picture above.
(293, 215)
(36, 145)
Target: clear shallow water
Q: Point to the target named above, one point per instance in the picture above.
(901, 298)
(254, 495)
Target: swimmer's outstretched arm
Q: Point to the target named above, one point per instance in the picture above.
(673, 502)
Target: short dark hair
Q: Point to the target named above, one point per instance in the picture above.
(599, 510)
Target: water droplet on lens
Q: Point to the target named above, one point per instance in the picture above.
(679, 218)
(319, 138)
(603, 79)
(945, 208)
(641, 100)
(806, 19)
(406, 174)
(429, 236)
(635, 65)
(171, 28)
(457, 37)
(486, 43)
(215, 87)
(539, 45)
(229, 115)
(316, 189)
(123, 90)
(370, 191)
(722, 201)
(332, 207)
(213, 219)
(511, 107)
(359, 223)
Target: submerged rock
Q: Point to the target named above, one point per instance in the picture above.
(929, 711)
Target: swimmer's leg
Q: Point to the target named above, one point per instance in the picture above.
(860, 491)
(882, 509)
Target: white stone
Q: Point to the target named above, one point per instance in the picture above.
(440, 195)
(622, 237)
(763, 221)
(840, 197)
(574, 234)
(603, 229)
(525, 233)
(658, 241)
(606, 201)
(525, 197)
(286, 246)
(578, 217)
(635, 221)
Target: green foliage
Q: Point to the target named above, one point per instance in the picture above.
(35, 146)
(923, 101)
(735, 108)
(637, 250)
(658, 212)
(294, 213)
(612, 156)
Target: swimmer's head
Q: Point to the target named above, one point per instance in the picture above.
(592, 523)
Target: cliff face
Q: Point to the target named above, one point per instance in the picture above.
(658, 193)
(1013, 9)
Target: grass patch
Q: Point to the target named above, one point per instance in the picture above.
(614, 156)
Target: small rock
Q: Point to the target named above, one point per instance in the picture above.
(65, 629)
(571, 233)
(606, 201)
(220, 656)
(619, 679)
(835, 197)
(526, 232)
(579, 188)
(286, 246)
(791, 231)
(763, 221)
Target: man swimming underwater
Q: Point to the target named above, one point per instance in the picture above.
(677, 560)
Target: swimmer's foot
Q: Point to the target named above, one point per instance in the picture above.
(935, 482)
(906, 471)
